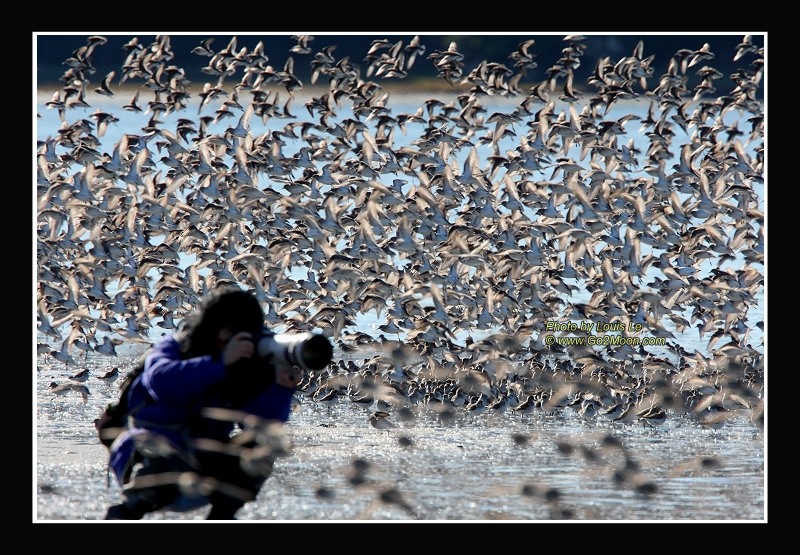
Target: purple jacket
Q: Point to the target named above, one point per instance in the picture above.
(168, 396)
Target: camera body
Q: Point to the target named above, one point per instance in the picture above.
(309, 351)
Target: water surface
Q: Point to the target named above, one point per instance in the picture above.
(507, 467)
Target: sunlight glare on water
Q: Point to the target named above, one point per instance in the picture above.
(487, 467)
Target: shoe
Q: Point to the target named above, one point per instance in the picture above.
(223, 511)
(123, 512)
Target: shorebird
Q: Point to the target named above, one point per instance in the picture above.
(133, 103)
(529, 405)
(502, 403)
(612, 412)
(108, 346)
(110, 376)
(476, 404)
(653, 416)
(326, 397)
(63, 389)
(63, 355)
(105, 85)
(380, 420)
(80, 376)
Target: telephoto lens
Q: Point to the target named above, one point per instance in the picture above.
(309, 351)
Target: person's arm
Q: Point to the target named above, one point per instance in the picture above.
(168, 377)
(274, 403)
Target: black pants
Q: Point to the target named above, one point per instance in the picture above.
(177, 482)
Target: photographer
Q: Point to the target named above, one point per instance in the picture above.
(212, 363)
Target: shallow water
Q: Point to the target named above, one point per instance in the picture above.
(488, 467)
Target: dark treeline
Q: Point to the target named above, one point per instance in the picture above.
(53, 51)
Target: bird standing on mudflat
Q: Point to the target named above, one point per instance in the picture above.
(380, 420)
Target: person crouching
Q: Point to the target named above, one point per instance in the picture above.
(181, 450)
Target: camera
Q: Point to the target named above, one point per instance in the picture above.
(309, 351)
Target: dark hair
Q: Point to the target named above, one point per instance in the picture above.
(226, 306)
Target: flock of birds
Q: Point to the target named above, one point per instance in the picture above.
(466, 257)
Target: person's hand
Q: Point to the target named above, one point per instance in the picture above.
(288, 376)
(238, 347)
